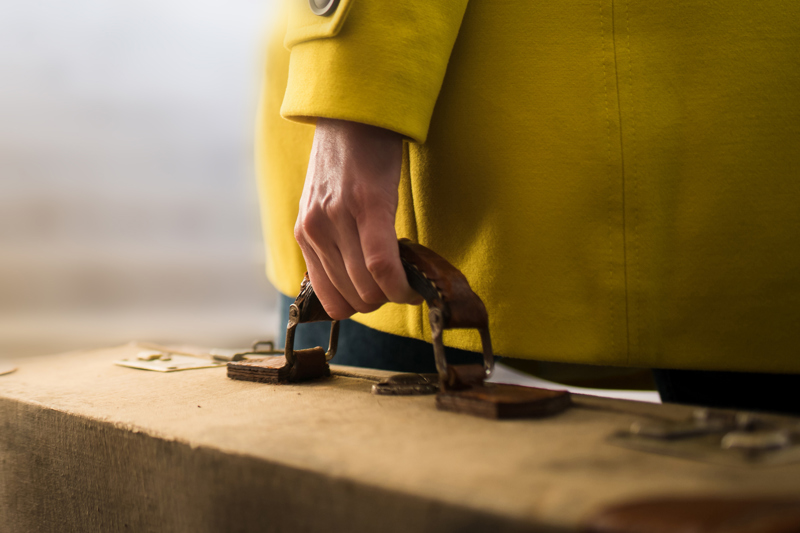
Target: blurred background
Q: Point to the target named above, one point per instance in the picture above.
(127, 197)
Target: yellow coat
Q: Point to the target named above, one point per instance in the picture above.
(619, 180)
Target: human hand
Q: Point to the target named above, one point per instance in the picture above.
(345, 227)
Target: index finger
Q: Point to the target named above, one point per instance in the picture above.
(382, 257)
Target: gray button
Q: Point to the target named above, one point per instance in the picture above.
(323, 8)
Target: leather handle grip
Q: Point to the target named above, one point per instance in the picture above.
(441, 284)
(451, 302)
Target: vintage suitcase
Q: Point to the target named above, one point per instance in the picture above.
(89, 446)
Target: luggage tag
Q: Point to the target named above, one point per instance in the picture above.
(452, 304)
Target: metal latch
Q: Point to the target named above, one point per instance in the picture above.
(407, 385)
(452, 304)
(226, 356)
(290, 365)
(718, 436)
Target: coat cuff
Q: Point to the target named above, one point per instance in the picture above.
(375, 62)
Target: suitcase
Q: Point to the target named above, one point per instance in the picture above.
(89, 446)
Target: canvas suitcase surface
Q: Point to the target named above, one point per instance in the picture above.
(89, 446)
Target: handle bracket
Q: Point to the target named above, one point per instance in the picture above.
(452, 304)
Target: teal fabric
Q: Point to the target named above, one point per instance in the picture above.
(365, 347)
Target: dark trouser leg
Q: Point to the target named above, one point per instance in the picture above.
(753, 391)
(369, 348)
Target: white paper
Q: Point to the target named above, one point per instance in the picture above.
(508, 375)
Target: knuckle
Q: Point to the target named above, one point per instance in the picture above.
(327, 202)
(370, 292)
(380, 267)
(310, 224)
(360, 198)
(334, 212)
(299, 234)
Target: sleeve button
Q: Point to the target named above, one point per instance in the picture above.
(323, 8)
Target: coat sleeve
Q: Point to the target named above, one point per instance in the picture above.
(378, 62)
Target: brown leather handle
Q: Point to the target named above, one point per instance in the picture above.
(441, 284)
(451, 301)
(309, 308)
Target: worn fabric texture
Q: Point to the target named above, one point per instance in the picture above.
(617, 179)
(90, 447)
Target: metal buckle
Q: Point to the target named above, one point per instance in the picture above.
(419, 384)
(295, 365)
(229, 355)
(407, 385)
(294, 320)
(437, 332)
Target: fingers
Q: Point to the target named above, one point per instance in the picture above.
(344, 278)
(332, 300)
(357, 272)
(382, 258)
(322, 237)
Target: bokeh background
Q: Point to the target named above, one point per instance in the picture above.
(127, 197)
